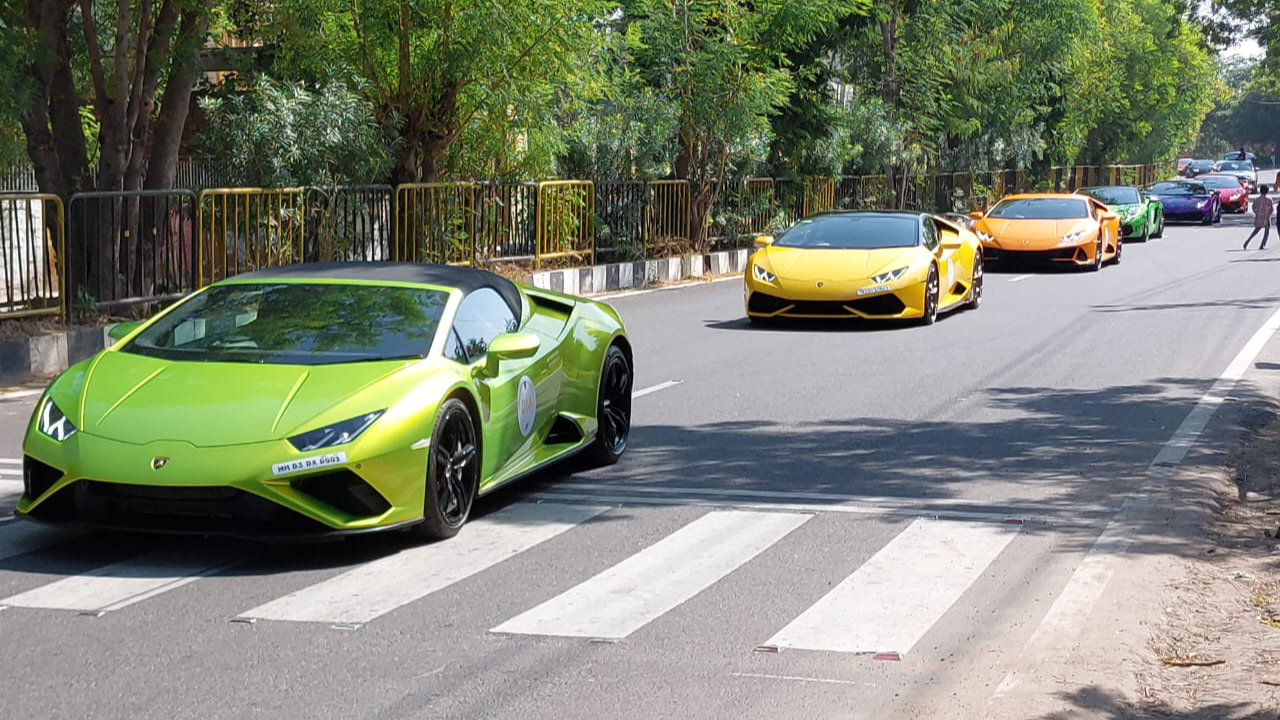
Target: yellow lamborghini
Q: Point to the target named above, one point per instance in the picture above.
(865, 264)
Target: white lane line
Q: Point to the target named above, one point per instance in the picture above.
(681, 286)
(1071, 610)
(797, 678)
(378, 587)
(10, 461)
(19, 538)
(1189, 431)
(645, 586)
(869, 499)
(18, 394)
(10, 487)
(1020, 278)
(655, 388)
(890, 602)
(906, 510)
(124, 583)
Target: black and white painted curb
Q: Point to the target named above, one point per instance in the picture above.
(44, 356)
(601, 279)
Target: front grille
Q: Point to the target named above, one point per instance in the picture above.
(37, 477)
(886, 304)
(345, 491)
(201, 510)
(1032, 256)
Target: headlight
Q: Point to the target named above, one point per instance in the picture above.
(335, 434)
(54, 423)
(762, 274)
(1131, 213)
(888, 277)
(985, 236)
(1073, 238)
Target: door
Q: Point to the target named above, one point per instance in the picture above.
(947, 242)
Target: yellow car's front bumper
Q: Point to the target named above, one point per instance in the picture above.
(901, 299)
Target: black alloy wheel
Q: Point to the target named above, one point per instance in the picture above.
(1159, 233)
(975, 286)
(1098, 249)
(931, 292)
(613, 412)
(453, 472)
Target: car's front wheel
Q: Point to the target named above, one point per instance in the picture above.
(931, 294)
(1159, 233)
(453, 472)
(613, 410)
(975, 286)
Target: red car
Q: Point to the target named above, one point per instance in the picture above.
(1231, 190)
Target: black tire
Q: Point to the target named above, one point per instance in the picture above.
(1207, 219)
(453, 472)
(1159, 233)
(975, 287)
(1217, 213)
(1098, 249)
(931, 295)
(1119, 251)
(613, 409)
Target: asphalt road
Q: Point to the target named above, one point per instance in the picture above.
(812, 522)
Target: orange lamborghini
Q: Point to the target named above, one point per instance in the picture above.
(1050, 227)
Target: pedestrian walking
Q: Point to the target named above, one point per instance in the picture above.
(1262, 209)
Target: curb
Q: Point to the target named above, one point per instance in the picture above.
(601, 279)
(44, 356)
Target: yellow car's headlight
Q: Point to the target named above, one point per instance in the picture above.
(888, 277)
(762, 275)
(985, 236)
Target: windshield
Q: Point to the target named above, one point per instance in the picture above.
(296, 324)
(1221, 182)
(1201, 163)
(1178, 188)
(852, 232)
(1040, 209)
(1114, 195)
(1235, 165)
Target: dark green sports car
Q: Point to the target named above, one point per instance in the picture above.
(1141, 215)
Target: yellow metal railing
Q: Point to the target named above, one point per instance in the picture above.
(566, 220)
(436, 222)
(819, 194)
(242, 229)
(667, 216)
(32, 255)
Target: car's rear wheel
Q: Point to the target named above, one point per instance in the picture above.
(975, 286)
(453, 472)
(931, 293)
(613, 410)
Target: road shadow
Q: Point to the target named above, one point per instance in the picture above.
(1095, 702)
(1262, 303)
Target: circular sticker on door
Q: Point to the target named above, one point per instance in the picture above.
(526, 404)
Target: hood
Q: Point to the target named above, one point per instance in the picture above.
(834, 265)
(1033, 230)
(1191, 200)
(137, 399)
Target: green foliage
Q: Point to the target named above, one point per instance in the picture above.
(286, 135)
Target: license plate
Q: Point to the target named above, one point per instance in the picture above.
(876, 289)
(311, 463)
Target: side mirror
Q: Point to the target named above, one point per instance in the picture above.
(764, 241)
(510, 346)
(975, 214)
(120, 330)
(1110, 216)
(951, 240)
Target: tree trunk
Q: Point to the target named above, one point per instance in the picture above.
(175, 106)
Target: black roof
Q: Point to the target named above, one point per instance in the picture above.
(463, 278)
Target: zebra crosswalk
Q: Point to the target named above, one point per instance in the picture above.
(887, 604)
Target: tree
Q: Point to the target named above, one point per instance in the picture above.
(453, 74)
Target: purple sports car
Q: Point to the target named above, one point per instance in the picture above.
(1188, 200)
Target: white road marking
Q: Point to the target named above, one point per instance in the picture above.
(19, 538)
(1020, 278)
(376, 588)
(655, 388)
(642, 588)
(10, 461)
(1189, 431)
(906, 509)
(785, 495)
(694, 282)
(1070, 611)
(124, 583)
(797, 678)
(10, 487)
(890, 602)
(18, 394)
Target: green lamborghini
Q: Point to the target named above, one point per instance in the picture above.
(332, 398)
(1141, 215)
